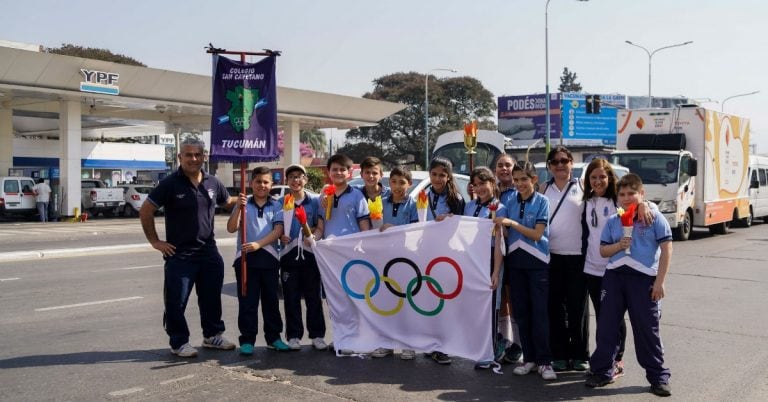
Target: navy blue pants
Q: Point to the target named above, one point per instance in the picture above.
(302, 278)
(262, 285)
(206, 273)
(595, 288)
(568, 308)
(529, 292)
(626, 289)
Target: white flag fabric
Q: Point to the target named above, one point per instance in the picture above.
(423, 286)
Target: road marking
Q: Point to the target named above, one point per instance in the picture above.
(89, 303)
(172, 380)
(9, 279)
(129, 268)
(126, 391)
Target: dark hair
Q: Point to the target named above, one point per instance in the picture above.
(557, 149)
(40, 180)
(503, 155)
(600, 163)
(370, 162)
(401, 171)
(259, 171)
(630, 180)
(526, 167)
(453, 198)
(339, 159)
(486, 176)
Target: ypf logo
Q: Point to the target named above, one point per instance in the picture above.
(411, 289)
(99, 82)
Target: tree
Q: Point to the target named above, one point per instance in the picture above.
(69, 49)
(314, 138)
(400, 138)
(568, 81)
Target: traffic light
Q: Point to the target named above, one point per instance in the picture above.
(588, 104)
(596, 104)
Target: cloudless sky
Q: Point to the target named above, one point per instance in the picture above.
(340, 46)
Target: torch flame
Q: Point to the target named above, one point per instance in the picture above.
(376, 208)
(288, 202)
(628, 216)
(421, 202)
(470, 129)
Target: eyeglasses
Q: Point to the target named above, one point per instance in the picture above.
(293, 178)
(555, 162)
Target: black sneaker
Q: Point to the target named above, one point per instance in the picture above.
(440, 357)
(661, 389)
(513, 354)
(595, 381)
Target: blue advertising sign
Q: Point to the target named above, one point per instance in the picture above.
(580, 128)
(523, 118)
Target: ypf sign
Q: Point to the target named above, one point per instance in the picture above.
(99, 82)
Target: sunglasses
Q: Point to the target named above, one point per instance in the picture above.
(555, 162)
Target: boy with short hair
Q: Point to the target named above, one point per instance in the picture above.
(349, 209)
(634, 281)
(371, 173)
(300, 275)
(264, 225)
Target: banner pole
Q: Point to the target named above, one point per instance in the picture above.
(243, 237)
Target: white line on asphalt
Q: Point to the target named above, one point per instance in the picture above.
(172, 380)
(126, 391)
(89, 303)
(128, 268)
(9, 279)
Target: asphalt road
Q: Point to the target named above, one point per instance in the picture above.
(89, 327)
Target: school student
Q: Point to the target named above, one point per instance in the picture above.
(349, 209)
(263, 226)
(528, 274)
(371, 172)
(299, 272)
(634, 282)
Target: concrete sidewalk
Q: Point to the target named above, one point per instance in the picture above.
(81, 251)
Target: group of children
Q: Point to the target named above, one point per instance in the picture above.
(555, 243)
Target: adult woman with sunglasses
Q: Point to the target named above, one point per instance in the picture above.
(568, 312)
(600, 204)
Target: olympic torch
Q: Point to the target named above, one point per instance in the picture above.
(627, 221)
(330, 192)
(492, 208)
(301, 216)
(421, 206)
(376, 209)
(470, 142)
(288, 208)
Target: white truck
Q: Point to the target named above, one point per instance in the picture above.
(97, 198)
(693, 163)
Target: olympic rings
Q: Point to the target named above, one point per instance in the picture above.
(375, 309)
(413, 287)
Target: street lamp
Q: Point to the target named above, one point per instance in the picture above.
(650, 55)
(722, 104)
(426, 112)
(546, 71)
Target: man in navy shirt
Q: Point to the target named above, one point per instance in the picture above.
(189, 196)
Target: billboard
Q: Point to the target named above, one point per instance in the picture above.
(523, 118)
(580, 128)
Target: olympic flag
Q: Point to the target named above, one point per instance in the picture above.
(423, 286)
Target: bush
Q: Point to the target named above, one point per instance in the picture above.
(315, 179)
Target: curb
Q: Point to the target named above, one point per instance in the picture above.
(83, 251)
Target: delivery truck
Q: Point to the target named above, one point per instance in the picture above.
(694, 163)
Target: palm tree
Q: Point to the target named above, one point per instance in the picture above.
(315, 138)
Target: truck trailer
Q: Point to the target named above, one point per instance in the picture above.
(693, 162)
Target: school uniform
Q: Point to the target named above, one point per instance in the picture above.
(385, 191)
(399, 213)
(438, 204)
(347, 211)
(527, 274)
(627, 286)
(300, 277)
(263, 270)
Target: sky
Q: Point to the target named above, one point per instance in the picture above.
(340, 46)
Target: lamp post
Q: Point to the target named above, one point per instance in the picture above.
(650, 56)
(546, 72)
(426, 112)
(722, 104)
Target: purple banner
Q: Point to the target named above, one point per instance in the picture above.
(523, 118)
(244, 118)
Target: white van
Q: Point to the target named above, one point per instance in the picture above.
(16, 196)
(758, 189)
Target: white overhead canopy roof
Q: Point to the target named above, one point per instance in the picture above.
(32, 83)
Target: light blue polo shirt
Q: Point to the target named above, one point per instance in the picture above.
(507, 195)
(349, 209)
(644, 248)
(401, 213)
(311, 204)
(385, 191)
(259, 221)
(524, 251)
(437, 203)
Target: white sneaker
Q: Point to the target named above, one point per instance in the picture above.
(382, 352)
(408, 354)
(218, 342)
(524, 368)
(294, 344)
(186, 350)
(319, 344)
(547, 372)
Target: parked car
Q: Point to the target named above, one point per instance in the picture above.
(579, 170)
(420, 179)
(16, 196)
(97, 198)
(134, 195)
